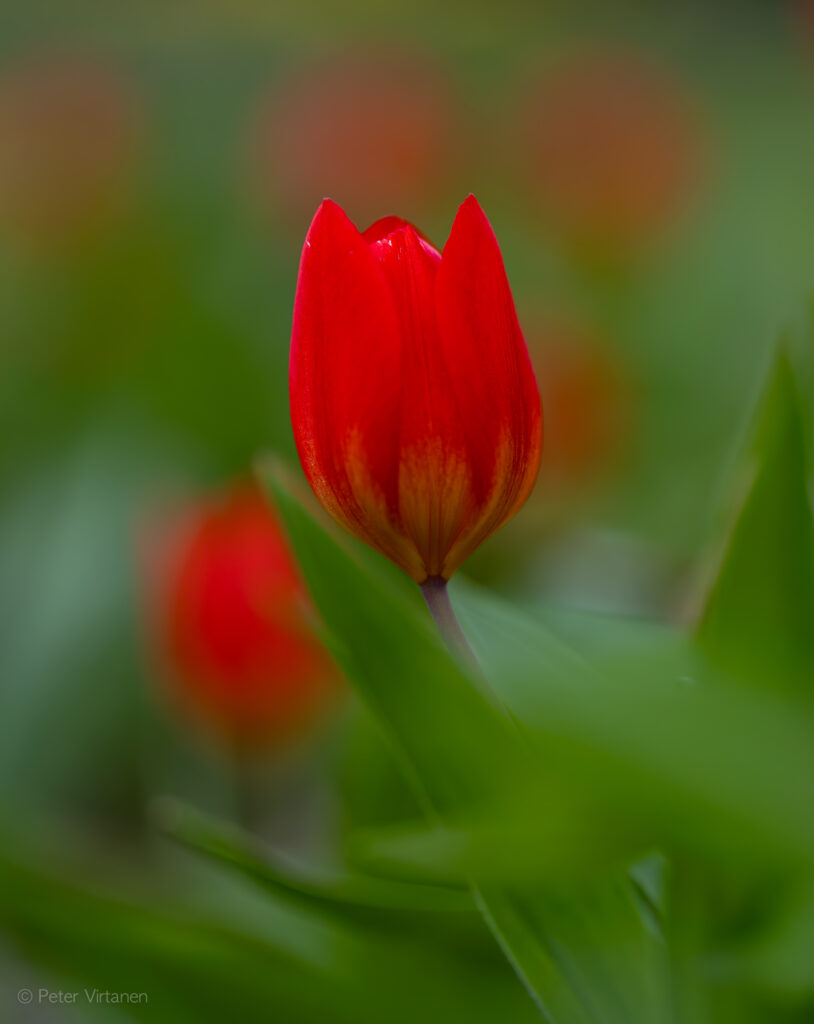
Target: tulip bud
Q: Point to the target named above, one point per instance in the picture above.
(231, 617)
(414, 405)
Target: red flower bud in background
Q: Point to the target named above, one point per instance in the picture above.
(414, 405)
(611, 148)
(70, 134)
(232, 622)
(803, 16)
(588, 398)
(379, 128)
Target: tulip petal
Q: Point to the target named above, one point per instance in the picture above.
(491, 384)
(383, 227)
(434, 492)
(387, 225)
(346, 383)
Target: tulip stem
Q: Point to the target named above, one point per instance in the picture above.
(247, 791)
(435, 592)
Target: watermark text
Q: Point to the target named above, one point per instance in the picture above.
(86, 996)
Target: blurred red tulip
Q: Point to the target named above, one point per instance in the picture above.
(611, 147)
(414, 405)
(69, 132)
(804, 19)
(587, 399)
(374, 129)
(233, 622)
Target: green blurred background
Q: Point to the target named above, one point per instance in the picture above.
(648, 171)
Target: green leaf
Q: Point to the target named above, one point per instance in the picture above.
(458, 744)
(592, 936)
(226, 844)
(191, 967)
(233, 959)
(454, 740)
(651, 735)
(372, 788)
(759, 619)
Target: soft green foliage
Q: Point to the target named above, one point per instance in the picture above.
(404, 674)
(613, 823)
(627, 811)
(617, 752)
(196, 964)
(766, 584)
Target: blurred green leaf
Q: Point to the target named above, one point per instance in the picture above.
(200, 965)
(759, 620)
(593, 936)
(228, 845)
(653, 733)
(373, 789)
(454, 740)
(780, 958)
(439, 719)
(190, 967)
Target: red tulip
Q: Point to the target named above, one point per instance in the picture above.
(612, 148)
(414, 405)
(588, 400)
(70, 134)
(378, 127)
(804, 18)
(232, 621)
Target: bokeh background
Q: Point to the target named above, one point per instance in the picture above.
(648, 171)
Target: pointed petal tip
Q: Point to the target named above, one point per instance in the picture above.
(329, 216)
(471, 221)
(330, 204)
(328, 207)
(471, 205)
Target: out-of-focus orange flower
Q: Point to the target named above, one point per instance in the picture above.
(611, 147)
(587, 399)
(70, 129)
(374, 130)
(233, 624)
(804, 19)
